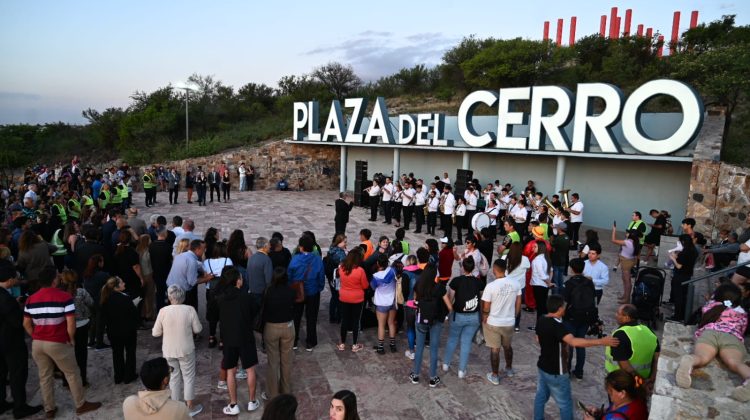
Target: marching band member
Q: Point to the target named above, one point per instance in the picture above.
(374, 192)
(408, 195)
(419, 206)
(387, 191)
(576, 218)
(471, 197)
(448, 207)
(433, 203)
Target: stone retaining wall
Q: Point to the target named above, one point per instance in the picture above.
(719, 195)
(317, 166)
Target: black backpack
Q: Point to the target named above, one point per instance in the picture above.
(582, 305)
(428, 311)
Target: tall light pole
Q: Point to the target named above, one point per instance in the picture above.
(187, 87)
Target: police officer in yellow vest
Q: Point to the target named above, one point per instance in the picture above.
(87, 201)
(638, 351)
(59, 211)
(104, 197)
(149, 187)
(74, 208)
(116, 197)
(639, 225)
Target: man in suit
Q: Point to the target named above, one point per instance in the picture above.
(214, 182)
(342, 212)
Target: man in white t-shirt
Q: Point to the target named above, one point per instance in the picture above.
(471, 197)
(388, 190)
(576, 219)
(449, 206)
(408, 196)
(501, 303)
(373, 192)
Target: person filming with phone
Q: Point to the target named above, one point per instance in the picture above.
(626, 399)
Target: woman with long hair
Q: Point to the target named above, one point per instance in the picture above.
(83, 303)
(214, 264)
(128, 265)
(630, 248)
(226, 185)
(237, 249)
(517, 266)
(211, 238)
(720, 333)
(684, 263)
(94, 278)
(432, 304)
(148, 310)
(466, 291)
(384, 284)
(189, 184)
(121, 318)
(182, 246)
(343, 406)
(353, 282)
(626, 399)
(278, 333)
(592, 238)
(541, 280)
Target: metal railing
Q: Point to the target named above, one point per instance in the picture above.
(691, 286)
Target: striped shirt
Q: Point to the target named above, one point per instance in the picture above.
(48, 309)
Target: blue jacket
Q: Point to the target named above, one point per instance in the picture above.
(315, 278)
(383, 279)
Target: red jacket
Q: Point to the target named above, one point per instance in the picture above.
(353, 285)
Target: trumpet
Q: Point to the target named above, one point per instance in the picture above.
(566, 200)
(550, 207)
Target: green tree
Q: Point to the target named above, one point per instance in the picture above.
(339, 79)
(715, 59)
(509, 63)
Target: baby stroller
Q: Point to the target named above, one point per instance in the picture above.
(647, 293)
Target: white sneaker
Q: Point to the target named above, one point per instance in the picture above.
(509, 373)
(222, 385)
(461, 374)
(409, 354)
(253, 405)
(241, 374)
(445, 367)
(195, 410)
(232, 411)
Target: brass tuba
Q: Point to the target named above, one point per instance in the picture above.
(566, 199)
(550, 207)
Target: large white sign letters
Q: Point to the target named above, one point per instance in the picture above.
(587, 126)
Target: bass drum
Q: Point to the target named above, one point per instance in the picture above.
(480, 221)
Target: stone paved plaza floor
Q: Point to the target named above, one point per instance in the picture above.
(380, 382)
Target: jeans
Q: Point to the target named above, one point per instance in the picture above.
(243, 183)
(558, 278)
(310, 308)
(410, 315)
(463, 327)
(578, 331)
(173, 193)
(558, 386)
(422, 330)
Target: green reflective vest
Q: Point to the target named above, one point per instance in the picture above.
(116, 197)
(61, 212)
(74, 208)
(643, 345)
(634, 224)
(148, 181)
(545, 226)
(87, 201)
(104, 199)
(514, 237)
(123, 191)
(56, 241)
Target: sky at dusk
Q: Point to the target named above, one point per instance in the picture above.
(61, 57)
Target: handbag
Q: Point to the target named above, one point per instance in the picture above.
(299, 287)
(336, 280)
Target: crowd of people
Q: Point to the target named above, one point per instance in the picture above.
(76, 265)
